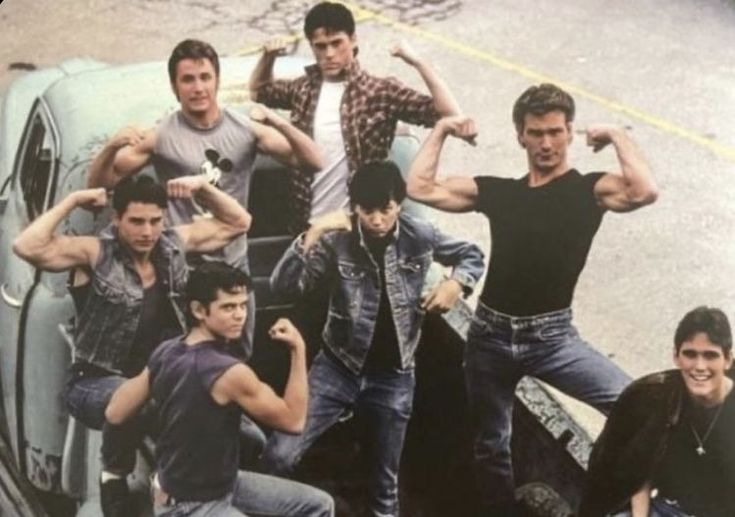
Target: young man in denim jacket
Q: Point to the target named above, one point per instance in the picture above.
(128, 286)
(376, 268)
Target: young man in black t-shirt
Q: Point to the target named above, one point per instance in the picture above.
(200, 390)
(668, 446)
(541, 226)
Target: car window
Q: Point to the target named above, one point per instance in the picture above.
(35, 165)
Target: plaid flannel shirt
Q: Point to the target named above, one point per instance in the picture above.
(370, 109)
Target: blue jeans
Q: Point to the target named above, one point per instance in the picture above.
(385, 401)
(257, 495)
(87, 397)
(502, 349)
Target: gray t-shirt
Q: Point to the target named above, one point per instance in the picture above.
(225, 152)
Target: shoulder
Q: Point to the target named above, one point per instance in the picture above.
(415, 225)
(652, 388)
(163, 351)
(235, 117)
(493, 186)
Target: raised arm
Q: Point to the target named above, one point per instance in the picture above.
(307, 261)
(229, 219)
(128, 398)
(444, 102)
(39, 245)
(453, 194)
(125, 154)
(287, 144)
(635, 186)
(241, 385)
(263, 71)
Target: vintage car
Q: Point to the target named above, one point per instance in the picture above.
(51, 124)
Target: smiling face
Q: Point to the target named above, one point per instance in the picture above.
(377, 222)
(140, 226)
(196, 86)
(334, 52)
(546, 139)
(703, 365)
(225, 316)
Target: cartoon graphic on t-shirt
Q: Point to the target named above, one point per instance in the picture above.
(212, 168)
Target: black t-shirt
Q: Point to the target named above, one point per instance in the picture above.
(540, 238)
(383, 355)
(155, 324)
(198, 449)
(704, 485)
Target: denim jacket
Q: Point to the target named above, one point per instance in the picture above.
(107, 325)
(343, 260)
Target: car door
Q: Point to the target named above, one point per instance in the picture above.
(31, 376)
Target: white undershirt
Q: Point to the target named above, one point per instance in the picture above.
(329, 187)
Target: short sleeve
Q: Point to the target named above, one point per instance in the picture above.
(212, 363)
(491, 191)
(411, 106)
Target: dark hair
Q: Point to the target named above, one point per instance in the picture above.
(331, 17)
(709, 320)
(375, 184)
(191, 49)
(540, 100)
(208, 278)
(140, 189)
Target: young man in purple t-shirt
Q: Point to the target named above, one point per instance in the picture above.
(200, 391)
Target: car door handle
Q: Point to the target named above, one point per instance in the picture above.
(9, 299)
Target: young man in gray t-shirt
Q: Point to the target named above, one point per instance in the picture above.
(203, 137)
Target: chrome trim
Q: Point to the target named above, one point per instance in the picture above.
(9, 299)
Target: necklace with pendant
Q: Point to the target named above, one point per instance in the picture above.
(701, 441)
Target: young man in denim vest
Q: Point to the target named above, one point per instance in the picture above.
(200, 391)
(376, 271)
(128, 285)
(668, 446)
(350, 113)
(542, 226)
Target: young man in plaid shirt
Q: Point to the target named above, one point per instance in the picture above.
(351, 114)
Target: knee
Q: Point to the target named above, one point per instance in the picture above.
(279, 457)
(322, 504)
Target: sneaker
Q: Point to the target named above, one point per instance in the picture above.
(115, 498)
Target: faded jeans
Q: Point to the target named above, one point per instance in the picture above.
(501, 350)
(385, 401)
(257, 495)
(87, 397)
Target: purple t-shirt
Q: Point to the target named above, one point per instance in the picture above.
(197, 450)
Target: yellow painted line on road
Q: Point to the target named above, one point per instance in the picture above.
(659, 123)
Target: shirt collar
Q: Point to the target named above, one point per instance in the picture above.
(353, 71)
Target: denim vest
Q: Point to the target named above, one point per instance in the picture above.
(108, 323)
(343, 259)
